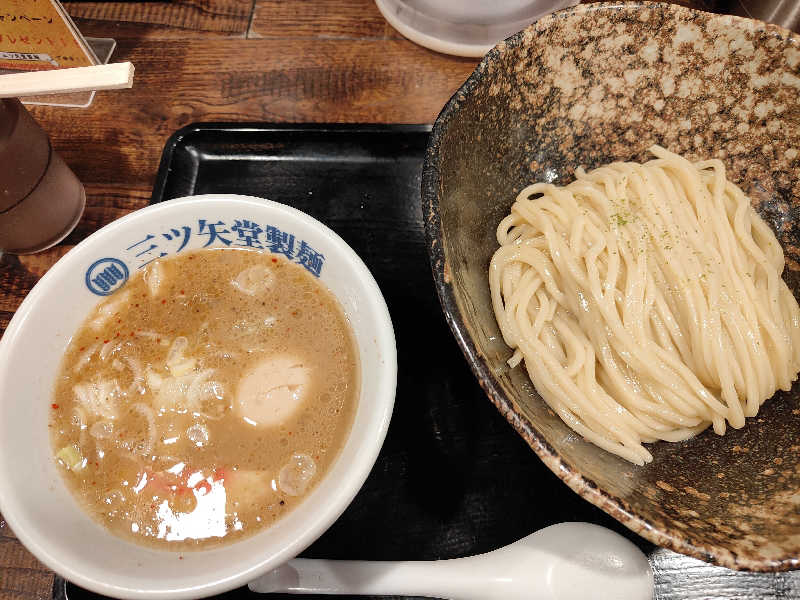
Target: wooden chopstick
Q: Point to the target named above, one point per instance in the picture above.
(77, 79)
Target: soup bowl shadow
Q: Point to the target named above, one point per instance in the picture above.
(584, 87)
(33, 497)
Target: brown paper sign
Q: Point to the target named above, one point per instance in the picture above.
(37, 35)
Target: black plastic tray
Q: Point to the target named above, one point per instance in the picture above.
(453, 478)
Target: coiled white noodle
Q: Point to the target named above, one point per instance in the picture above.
(646, 301)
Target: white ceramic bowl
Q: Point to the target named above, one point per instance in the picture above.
(464, 27)
(33, 497)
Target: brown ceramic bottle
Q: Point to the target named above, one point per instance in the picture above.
(41, 200)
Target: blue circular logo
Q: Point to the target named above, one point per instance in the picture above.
(106, 276)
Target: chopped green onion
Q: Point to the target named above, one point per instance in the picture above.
(71, 457)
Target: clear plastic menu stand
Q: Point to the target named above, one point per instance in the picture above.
(39, 35)
(103, 49)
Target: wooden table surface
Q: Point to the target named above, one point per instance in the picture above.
(218, 60)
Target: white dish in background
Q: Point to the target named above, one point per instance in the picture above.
(33, 497)
(464, 27)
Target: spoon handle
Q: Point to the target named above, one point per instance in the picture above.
(402, 578)
(568, 561)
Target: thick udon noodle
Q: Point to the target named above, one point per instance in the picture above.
(646, 301)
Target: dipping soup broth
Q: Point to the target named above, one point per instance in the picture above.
(204, 399)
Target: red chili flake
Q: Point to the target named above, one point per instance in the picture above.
(158, 340)
(97, 338)
(94, 483)
(182, 292)
(82, 348)
(54, 405)
(136, 305)
(164, 301)
(119, 320)
(274, 260)
(96, 464)
(105, 341)
(290, 433)
(131, 334)
(117, 334)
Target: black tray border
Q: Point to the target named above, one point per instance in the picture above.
(179, 138)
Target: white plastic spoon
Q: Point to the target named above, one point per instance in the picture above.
(567, 561)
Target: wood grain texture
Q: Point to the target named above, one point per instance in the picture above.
(22, 577)
(118, 140)
(181, 18)
(114, 146)
(331, 19)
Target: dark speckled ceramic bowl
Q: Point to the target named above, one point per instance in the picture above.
(590, 85)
